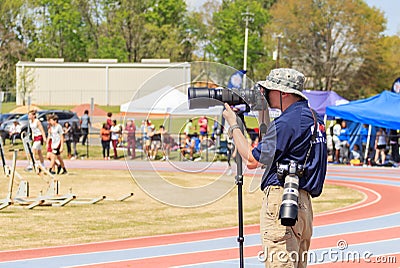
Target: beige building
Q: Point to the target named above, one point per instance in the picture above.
(55, 82)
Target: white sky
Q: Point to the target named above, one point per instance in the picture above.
(389, 7)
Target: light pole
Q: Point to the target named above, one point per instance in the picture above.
(247, 17)
(279, 36)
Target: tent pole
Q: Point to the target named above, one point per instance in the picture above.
(368, 142)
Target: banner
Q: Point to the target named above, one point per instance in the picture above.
(236, 80)
(396, 86)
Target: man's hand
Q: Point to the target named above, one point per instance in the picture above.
(229, 115)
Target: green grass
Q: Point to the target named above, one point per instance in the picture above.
(110, 108)
(6, 107)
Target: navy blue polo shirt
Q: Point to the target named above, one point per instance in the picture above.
(288, 138)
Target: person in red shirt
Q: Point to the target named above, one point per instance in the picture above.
(105, 137)
(130, 130)
(203, 127)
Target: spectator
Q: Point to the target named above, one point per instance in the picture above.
(76, 135)
(188, 127)
(57, 145)
(130, 130)
(166, 143)
(380, 147)
(85, 123)
(364, 138)
(68, 137)
(105, 136)
(15, 131)
(356, 157)
(215, 128)
(155, 138)
(38, 135)
(203, 127)
(336, 141)
(344, 138)
(146, 129)
(394, 145)
(115, 134)
(187, 147)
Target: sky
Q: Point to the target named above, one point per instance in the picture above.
(389, 7)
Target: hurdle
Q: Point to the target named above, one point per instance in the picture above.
(8, 201)
(52, 197)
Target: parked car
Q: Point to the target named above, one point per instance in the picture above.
(63, 116)
(9, 116)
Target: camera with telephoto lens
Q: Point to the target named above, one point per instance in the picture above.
(205, 97)
(291, 174)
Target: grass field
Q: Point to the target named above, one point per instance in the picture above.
(139, 216)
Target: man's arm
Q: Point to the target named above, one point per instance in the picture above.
(241, 143)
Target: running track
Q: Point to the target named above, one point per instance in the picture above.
(367, 229)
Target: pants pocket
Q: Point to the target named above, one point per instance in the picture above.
(271, 227)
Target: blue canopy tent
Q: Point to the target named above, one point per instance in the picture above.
(381, 110)
(378, 111)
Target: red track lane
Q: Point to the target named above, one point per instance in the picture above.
(371, 197)
(181, 259)
(383, 207)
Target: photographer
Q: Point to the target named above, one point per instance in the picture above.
(297, 128)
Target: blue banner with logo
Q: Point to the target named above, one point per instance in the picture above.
(396, 86)
(236, 80)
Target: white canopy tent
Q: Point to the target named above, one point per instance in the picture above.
(167, 100)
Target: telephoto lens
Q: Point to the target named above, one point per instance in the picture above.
(289, 207)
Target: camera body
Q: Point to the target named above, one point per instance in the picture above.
(290, 174)
(205, 97)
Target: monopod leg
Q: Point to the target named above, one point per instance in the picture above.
(239, 183)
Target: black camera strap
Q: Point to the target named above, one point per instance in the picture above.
(314, 135)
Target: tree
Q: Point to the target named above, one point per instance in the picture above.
(379, 69)
(12, 46)
(26, 82)
(199, 25)
(326, 39)
(227, 36)
(61, 30)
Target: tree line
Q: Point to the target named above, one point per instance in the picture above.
(338, 44)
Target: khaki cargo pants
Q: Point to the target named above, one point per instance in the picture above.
(285, 246)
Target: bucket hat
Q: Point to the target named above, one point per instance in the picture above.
(285, 80)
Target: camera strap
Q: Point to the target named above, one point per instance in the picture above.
(314, 135)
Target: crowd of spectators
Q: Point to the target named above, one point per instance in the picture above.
(156, 143)
(381, 150)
